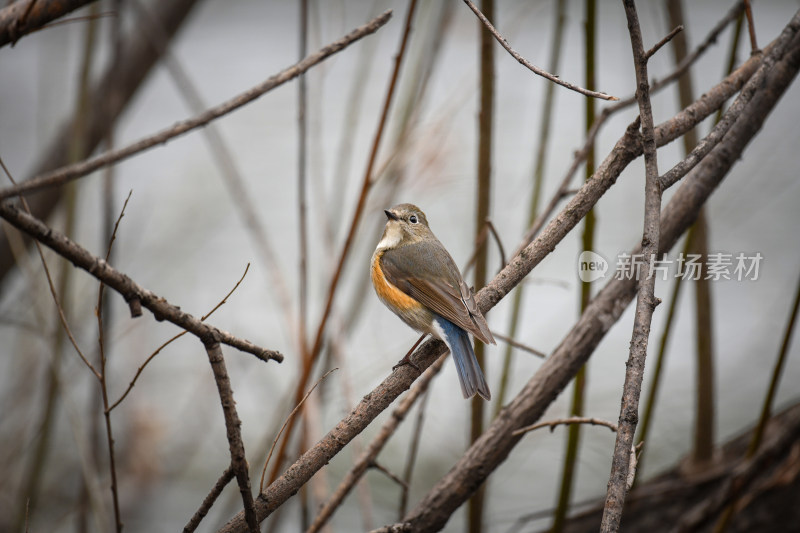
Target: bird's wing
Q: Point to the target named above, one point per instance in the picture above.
(427, 273)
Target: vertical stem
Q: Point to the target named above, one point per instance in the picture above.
(704, 420)
(576, 409)
(538, 180)
(301, 184)
(485, 119)
(646, 300)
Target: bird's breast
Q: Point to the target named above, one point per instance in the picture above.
(407, 308)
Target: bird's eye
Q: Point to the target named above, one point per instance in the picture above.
(413, 219)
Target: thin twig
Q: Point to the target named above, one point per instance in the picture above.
(536, 70)
(656, 47)
(78, 170)
(533, 68)
(103, 382)
(646, 302)
(391, 475)
(517, 344)
(302, 149)
(174, 338)
(499, 242)
(566, 421)
(286, 422)
(751, 26)
(209, 500)
(233, 427)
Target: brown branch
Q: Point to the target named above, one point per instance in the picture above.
(566, 421)
(233, 427)
(78, 170)
(533, 68)
(556, 371)
(742, 476)
(646, 301)
(667, 38)
(519, 345)
(112, 462)
(209, 500)
(751, 26)
(21, 18)
(121, 283)
(366, 185)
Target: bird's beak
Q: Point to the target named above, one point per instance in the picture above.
(390, 215)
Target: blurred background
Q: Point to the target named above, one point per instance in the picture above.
(185, 236)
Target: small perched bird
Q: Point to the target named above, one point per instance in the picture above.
(417, 279)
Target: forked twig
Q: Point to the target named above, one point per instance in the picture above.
(174, 338)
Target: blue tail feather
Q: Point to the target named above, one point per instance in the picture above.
(469, 372)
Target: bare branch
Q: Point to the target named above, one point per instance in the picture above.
(533, 68)
(519, 345)
(20, 18)
(78, 170)
(209, 500)
(233, 426)
(124, 285)
(656, 47)
(565, 421)
(646, 301)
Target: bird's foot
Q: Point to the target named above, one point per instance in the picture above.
(407, 361)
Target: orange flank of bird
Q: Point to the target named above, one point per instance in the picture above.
(388, 293)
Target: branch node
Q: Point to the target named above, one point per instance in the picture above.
(135, 305)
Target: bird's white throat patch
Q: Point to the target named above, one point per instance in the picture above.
(392, 236)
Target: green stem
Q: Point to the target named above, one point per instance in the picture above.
(485, 119)
(579, 387)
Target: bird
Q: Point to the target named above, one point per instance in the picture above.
(417, 279)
